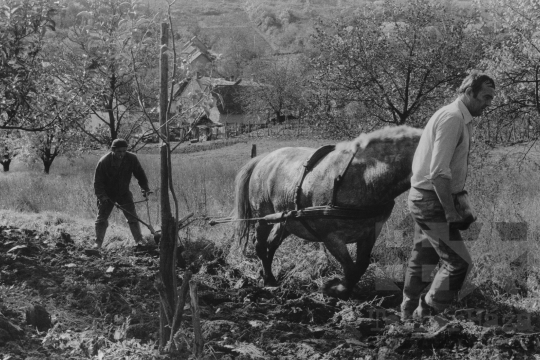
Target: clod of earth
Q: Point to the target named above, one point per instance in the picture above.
(37, 316)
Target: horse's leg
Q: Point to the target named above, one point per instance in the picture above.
(268, 241)
(353, 272)
(364, 245)
(341, 289)
(277, 235)
(262, 230)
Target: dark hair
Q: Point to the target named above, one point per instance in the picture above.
(475, 80)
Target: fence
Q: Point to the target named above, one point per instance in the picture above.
(289, 128)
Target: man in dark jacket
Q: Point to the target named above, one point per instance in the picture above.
(111, 185)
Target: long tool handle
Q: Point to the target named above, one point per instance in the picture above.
(149, 218)
(138, 219)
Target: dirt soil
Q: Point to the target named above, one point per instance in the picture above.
(104, 306)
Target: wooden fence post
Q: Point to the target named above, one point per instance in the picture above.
(253, 151)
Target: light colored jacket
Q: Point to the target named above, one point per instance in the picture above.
(443, 149)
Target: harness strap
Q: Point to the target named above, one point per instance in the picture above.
(308, 166)
(308, 228)
(330, 212)
(339, 179)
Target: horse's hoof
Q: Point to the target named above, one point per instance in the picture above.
(335, 288)
(271, 283)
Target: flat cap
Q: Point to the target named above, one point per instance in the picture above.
(119, 143)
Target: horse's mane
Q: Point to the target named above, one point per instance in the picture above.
(388, 133)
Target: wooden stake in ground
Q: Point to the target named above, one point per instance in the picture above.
(168, 236)
(198, 342)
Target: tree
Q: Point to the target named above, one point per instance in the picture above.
(276, 88)
(23, 27)
(398, 62)
(112, 40)
(61, 110)
(514, 60)
(237, 50)
(61, 138)
(9, 147)
(47, 145)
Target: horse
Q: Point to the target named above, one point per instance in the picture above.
(358, 179)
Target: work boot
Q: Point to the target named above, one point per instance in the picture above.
(407, 309)
(423, 310)
(101, 230)
(136, 232)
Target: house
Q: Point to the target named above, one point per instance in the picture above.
(196, 56)
(218, 98)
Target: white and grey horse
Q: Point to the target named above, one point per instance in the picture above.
(373, 170)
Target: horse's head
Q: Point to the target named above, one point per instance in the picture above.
(382, 163)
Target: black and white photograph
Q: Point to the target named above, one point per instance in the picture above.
(269, 179)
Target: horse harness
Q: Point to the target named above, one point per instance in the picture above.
(332, 210)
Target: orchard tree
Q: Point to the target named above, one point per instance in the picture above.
(237, 50)
(62, 137)
(399, 60)
(111, 43)
(10, 145)
(275, 88)
(514, 61)
(23, 27)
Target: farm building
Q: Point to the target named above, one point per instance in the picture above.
(196, 57)
(218, 97)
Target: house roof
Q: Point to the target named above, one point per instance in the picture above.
(180, 87)
(195, 48)
(195, 55)
(225, 92)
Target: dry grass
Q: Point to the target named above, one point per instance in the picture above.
(500, 190)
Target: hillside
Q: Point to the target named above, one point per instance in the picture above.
(285, 25)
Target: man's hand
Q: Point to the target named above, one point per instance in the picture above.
(145, 193)
(444, 193)
(453, 217)
(105, 200)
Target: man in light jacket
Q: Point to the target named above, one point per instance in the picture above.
(439, 173)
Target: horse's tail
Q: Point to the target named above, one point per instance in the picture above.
(242, 208)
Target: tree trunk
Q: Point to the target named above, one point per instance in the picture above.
(168, 237)
(5, 163)
(47, 166)
(47, 157)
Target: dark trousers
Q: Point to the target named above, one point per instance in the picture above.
(128, 208)
(435, 243)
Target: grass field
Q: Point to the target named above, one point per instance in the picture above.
(505, 193)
